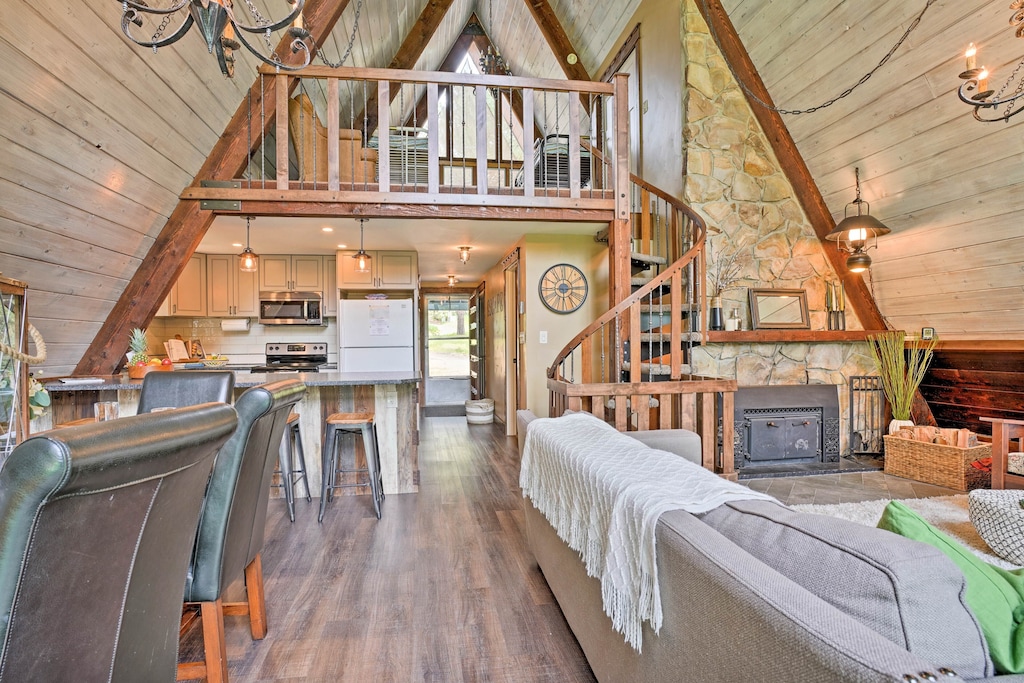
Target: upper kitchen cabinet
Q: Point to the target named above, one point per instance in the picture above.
(330, 309)
(280, 273)
(188, 295)
(388, 270)
(232, 292)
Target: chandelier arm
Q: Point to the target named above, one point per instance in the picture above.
(297, 45)
(276, 26)
(155, 10)
(970, 86)
(128, 18)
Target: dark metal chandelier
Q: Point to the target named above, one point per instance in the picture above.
(491, 61)
(975, 91)
(221, 29)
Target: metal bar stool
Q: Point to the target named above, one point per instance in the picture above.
(339, 424)
(291, 445)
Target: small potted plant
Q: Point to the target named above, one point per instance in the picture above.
(901, 367)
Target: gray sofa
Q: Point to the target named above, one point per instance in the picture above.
(754, 591)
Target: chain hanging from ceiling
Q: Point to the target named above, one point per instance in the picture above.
(491, 61)
(828, 103)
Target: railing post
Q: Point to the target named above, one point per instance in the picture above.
(433, 152)
(528, 129)
(333, 128)
(620, 241)
(384, 136)
(281, 129)
(481, 139)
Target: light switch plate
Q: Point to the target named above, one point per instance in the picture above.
(543, 336)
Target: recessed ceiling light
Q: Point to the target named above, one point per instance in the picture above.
(327, 229)
(342, 246)
(236, 244)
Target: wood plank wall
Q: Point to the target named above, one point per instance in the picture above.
(965, 384)
(948, 186)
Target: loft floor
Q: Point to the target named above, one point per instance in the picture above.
(443, 587)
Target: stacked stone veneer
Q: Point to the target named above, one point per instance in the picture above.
(734, 180)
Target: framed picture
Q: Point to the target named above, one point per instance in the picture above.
(779, 309)
(195, 349)
(927, 333)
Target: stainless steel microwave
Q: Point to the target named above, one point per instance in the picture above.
(291, 308)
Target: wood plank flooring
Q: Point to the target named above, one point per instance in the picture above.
(443, 587)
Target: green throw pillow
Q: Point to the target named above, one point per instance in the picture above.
(995, 595)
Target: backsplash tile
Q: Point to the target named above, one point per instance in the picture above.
(240, 347)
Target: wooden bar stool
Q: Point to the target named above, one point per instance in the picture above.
(291, 445)
(338, 425)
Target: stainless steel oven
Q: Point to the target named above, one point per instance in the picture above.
(291, 308)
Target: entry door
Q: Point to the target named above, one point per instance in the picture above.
(513, 370)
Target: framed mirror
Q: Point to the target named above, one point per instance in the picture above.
(779, 309)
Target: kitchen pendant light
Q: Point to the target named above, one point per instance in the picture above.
(248, 260)
(361, 257)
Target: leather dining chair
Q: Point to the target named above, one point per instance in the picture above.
(96, 528)
(230, 535)
(185, 388)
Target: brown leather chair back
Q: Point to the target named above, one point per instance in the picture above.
(96, 528)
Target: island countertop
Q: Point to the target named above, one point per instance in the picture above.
(392, 397)
(244, 380)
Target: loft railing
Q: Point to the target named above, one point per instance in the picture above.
(351, 134)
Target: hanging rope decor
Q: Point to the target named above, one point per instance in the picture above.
(37, 339)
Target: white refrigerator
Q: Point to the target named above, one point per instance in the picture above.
(376, 335)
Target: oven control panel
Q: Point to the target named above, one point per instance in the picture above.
(303, 349)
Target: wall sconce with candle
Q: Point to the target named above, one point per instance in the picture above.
(858, 233)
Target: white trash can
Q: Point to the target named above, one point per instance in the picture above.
(480, 412)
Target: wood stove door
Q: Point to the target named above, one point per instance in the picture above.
(785, 437)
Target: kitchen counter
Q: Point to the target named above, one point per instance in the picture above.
(245, 379)
(390, 396)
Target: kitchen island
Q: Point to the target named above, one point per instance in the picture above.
(390, 396)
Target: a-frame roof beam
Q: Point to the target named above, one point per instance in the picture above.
(187, 223)
(557, 39)
(411, 49)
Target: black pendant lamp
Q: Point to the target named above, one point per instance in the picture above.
(858, 233)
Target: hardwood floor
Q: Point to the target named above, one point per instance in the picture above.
(443, 587)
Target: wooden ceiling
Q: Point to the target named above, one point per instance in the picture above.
(100, 136)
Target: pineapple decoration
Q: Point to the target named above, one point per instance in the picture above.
(138, 345)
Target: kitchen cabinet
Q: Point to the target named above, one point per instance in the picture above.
(188, 295)
(388, 270)
(232, 293)
(330, 309)
(281, 272)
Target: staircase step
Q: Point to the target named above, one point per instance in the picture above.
(666, 307)
(648, 259)
(665, 337)
(656, 369)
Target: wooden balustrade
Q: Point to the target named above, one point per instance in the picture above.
(701, 404)
(435, 138)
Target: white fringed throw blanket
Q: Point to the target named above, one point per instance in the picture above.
(603, 492)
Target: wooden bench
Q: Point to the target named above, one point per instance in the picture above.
(1003, 433)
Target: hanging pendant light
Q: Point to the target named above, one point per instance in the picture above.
(248, 260)
(859, 233)
(361, 257)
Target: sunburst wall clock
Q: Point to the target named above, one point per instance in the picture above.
(563, 288)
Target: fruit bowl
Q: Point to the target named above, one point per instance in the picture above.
(215, 362)
(140, 371)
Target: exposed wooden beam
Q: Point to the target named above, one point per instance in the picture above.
(411, 49)
(431, 211)
(187, 223)
(557, 39)
(791, 161)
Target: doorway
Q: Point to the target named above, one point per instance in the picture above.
(446, 358)
(513, 355)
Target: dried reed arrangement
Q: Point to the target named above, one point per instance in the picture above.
(724, 269)
(901, 367)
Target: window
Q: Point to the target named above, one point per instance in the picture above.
(447, 336)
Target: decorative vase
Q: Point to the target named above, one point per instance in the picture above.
(715, 321)
(897, 425)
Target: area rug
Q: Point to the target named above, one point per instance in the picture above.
(947, 513)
